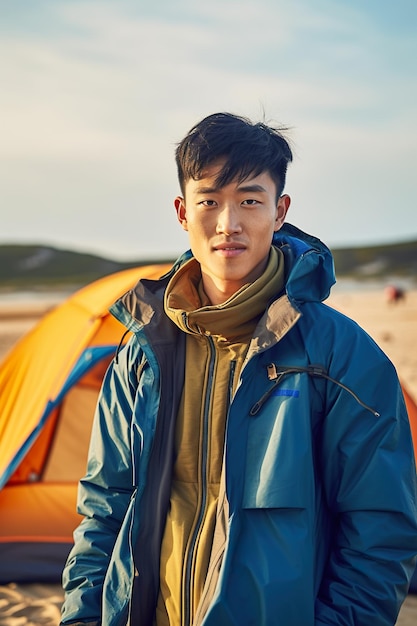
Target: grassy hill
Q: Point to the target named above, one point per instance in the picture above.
(38, 266)
(398, 259)
(23, 266)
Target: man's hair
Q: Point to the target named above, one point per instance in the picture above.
(247, 148)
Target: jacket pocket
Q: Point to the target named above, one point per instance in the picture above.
(279, 464)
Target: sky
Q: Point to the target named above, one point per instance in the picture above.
(95, 95)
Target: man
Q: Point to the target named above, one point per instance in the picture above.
(251, 459)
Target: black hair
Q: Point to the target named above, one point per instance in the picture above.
(247, 148)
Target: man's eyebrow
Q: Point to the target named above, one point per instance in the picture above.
(251, 188)
(245, 188)
(206, 190)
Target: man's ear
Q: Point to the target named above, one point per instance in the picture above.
(283, 205)
(180, 210)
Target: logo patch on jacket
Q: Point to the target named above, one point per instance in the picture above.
(294, 393)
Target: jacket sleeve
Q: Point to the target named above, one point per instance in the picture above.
(103, 496)
(368, 471)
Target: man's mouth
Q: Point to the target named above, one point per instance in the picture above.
(229, 249)
(229, 246)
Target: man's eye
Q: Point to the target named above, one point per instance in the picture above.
(208, 202)
(250, 201)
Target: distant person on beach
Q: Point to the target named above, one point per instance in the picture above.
(394, 294)
(251, 461)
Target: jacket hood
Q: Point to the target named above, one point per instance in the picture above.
(310, 270)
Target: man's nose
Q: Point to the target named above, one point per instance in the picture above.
(228, 222)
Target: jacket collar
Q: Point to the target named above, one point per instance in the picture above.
(309, 276)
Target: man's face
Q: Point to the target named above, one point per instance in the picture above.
(230, 229)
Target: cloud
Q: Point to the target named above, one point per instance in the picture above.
(96, 94)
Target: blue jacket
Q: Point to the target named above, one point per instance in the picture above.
(319, 466)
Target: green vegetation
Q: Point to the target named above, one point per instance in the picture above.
(38, 266)
(398, 259)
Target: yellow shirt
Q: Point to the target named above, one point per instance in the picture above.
(216, 344)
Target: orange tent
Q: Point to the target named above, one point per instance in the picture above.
(49, 384)
(412, 416)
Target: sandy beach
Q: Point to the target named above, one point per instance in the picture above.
(393, 326)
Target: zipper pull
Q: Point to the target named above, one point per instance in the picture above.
(272, 371)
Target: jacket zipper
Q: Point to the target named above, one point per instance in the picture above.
(230, 386)
(312, 370)
(190, 554)
(218, 555)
